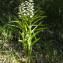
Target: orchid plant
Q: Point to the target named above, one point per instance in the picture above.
(29, 26)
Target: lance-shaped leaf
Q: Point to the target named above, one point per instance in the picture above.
(34, 34)
(34, 29)
(36, 40)
(36, 19)
(15, 23)
(41, 29)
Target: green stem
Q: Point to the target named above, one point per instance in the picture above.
(29, 45)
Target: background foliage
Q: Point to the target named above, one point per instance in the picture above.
(51, 44)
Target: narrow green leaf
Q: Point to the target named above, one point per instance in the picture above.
(34, 42)
(37, 19)
(41, 29)
(34, 29)
(34, 34)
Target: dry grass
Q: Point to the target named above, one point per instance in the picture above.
(7, 57)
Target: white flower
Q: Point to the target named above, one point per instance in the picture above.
(27, 8)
